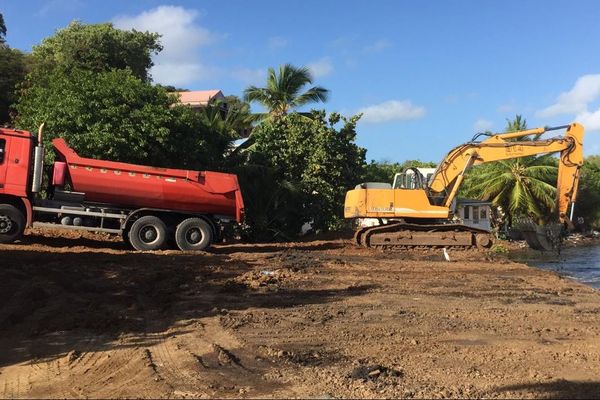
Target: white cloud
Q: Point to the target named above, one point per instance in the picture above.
(277, 42)
(321, 67)
(250, 76)
(590, 120)
(577, 102)
(182, 38)
(392, 110)
(482, 125)
(180, 74)
(378, 46)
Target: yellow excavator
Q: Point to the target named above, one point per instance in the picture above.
(419, 212)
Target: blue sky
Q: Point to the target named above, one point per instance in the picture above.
(426, 74)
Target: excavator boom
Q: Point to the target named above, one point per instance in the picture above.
(449, 175)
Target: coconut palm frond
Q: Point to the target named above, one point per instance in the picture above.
(542, 192)
(491, 188)
(283, 90)
(542, 172)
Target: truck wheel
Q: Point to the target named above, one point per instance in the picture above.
(125, 237)
(12, 223)
(148, 233)
(193, 234)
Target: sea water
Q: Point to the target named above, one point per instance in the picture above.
(579, 263)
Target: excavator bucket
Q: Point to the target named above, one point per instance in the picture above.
(541, 237)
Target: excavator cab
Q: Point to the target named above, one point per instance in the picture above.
(413, 178)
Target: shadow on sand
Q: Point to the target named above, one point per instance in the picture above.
(96, 297)
(559, 389)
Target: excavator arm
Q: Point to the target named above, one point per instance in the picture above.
(449, 175)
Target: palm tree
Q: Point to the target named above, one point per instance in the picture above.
(521, 186)
(230, 117)
(517, 124)
(284, 90)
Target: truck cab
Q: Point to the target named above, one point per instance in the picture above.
(15, 158)
(16, 149)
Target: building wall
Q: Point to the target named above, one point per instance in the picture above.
(475, 215)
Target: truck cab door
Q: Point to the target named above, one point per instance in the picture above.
(3, 162)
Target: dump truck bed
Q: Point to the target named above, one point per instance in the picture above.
(138, 186)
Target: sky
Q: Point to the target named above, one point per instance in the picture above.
(427, 75)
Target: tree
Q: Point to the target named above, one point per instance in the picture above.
(12, 73)
(114, 115)
(97, 48)
(383, 171)
(309, 164)
(587, 205)
(284, 90)
(523, 187)
(2, 30)
(517, 124)
(90, 84)
(230, 117)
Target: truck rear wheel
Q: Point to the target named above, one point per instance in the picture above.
(193, 234)
(148, 233)
(12, 223)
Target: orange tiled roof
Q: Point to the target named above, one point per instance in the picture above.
(199, 97)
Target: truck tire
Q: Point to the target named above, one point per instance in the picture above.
(125, 237)
(148, 233)
(12, 223)
(193, 234)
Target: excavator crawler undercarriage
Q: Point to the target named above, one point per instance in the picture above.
(399, 235)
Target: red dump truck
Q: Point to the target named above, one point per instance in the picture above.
(149, 207)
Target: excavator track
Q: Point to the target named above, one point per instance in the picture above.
(405, 236)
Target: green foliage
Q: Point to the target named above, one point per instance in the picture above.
(273, 204)
(89, 84)
(114, 115)
(97, 48)
(383, 171)
(2, 29)
(517, 124)
(12, 73)
(230, 117)
(588, 198)
(13, 67)
(499, 249)
(312, 164)
(284, 90)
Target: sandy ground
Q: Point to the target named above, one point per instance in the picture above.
(81, 316)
